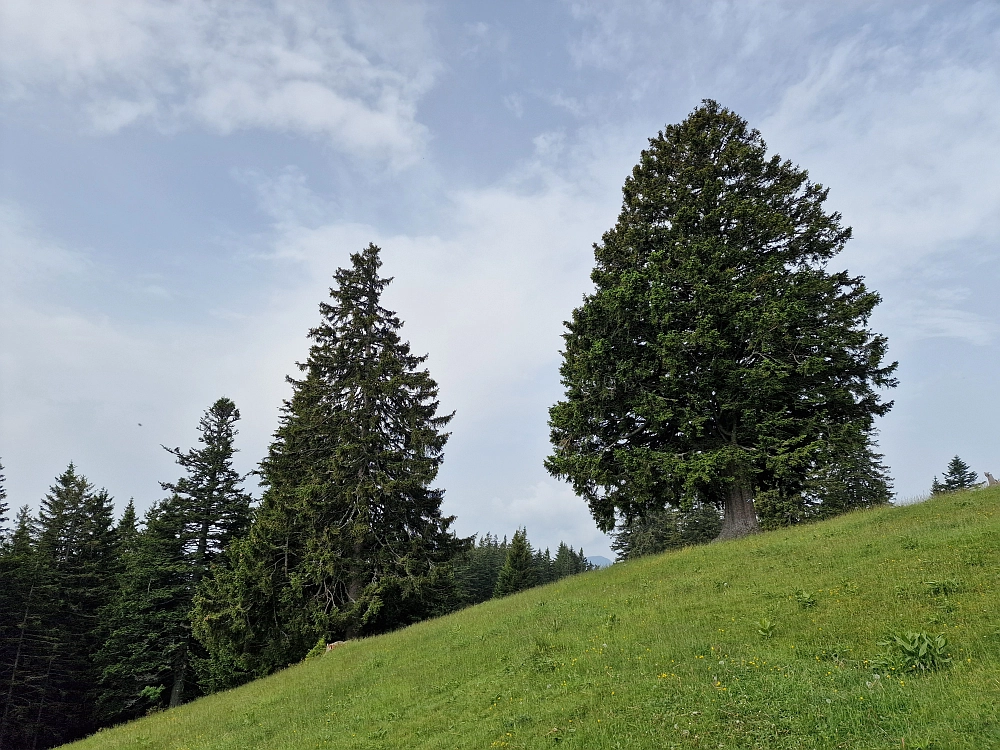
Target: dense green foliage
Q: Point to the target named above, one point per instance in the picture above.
(349, 537)
(149, 652)
(58, 575)
(958, 476)
(518, 572)
(665, 651)
(103, 623)
(148, 620)
(477, 570)
(664, 529)
(717, 357)
(852, 478)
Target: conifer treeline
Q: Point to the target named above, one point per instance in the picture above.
(494, 568)
(96, 617)
(101, 622)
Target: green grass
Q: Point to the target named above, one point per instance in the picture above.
(665, 652)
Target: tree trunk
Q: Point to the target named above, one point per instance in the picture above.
(180, 672)
(739, 518)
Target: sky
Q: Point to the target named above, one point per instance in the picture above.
(179, 180)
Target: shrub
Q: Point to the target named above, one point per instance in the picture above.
(913, 652)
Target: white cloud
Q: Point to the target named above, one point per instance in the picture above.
(350, 73)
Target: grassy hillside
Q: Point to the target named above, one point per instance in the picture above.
(665, 652)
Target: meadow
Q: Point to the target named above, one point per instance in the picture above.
(781, 640)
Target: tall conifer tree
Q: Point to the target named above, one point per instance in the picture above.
(210, 511)
(148, 657)
(4, 507)
(71, 560)
(958, 476)
(21, 636)
(717, 356)
(149, 620)
(519, 571)
(349, 537)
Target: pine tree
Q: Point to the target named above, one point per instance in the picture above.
(67, 561)
(477, 569)
(4, 507)
(146, 661)
(16, 567)
(148, 621)
(210, 511)
(127, 530)
(519, 571)
(542, 562)
(717, 355)
(349, 538)
(958, 476)
(568, 562)
(850, 477)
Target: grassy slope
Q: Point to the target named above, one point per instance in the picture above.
(662, 652)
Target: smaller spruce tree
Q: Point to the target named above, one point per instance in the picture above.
(518, 572)
(958, 476)
(4, 508)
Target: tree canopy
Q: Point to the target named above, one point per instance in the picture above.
(717, 356)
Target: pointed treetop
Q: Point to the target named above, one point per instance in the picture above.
(4, 508)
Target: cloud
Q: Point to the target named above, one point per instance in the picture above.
(351, 73)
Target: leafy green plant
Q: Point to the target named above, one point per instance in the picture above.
(944, 587)
(805, 599)
(765, 628)
(318, 650)
(913, 652)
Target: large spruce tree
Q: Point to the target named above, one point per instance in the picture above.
(718, 355)
(349, 537)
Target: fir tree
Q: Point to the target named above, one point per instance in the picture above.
(349, 538)
(477, 569)
(662, 529)
(209, 510)
(568, 562)
(146, 661)
(850, 477)
(4, 507)
(148, 621)
(127, 530)
(542, 562)
(19, 629)
(211, 507)
(68, 561)
(519, 571)
(958, 476)
(717, 356)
